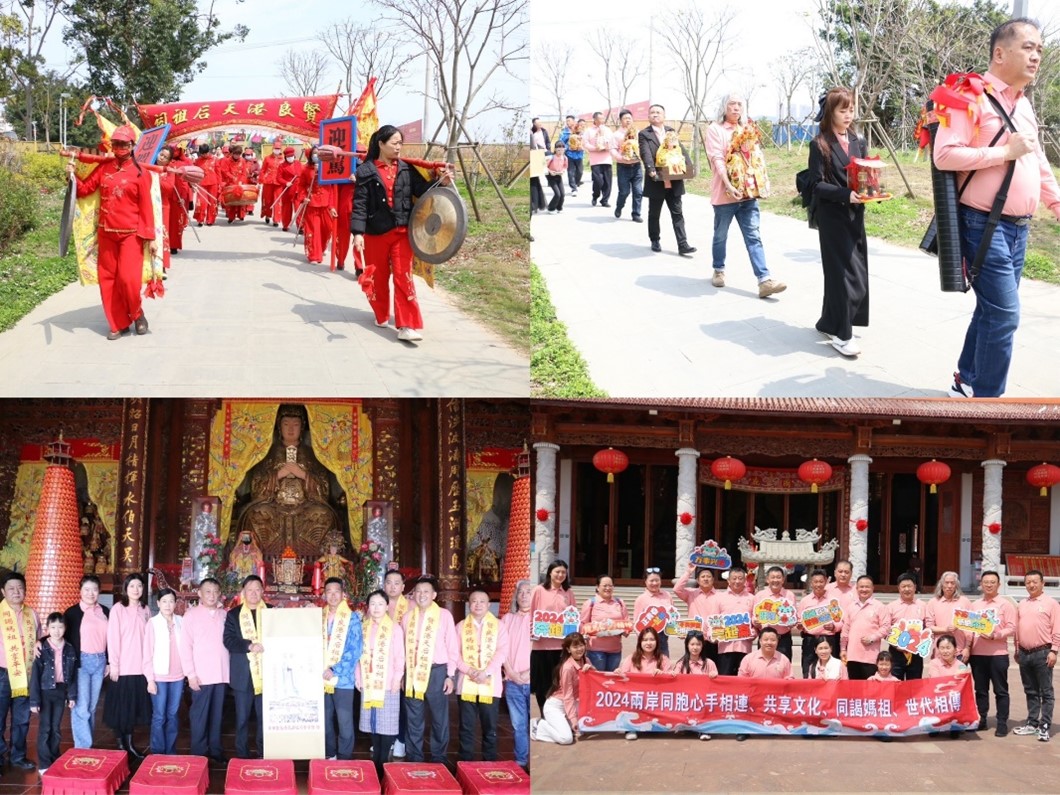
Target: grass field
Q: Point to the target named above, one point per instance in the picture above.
(556, 367)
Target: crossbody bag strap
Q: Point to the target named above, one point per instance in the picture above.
(999, 200)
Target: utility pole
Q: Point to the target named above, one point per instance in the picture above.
(1019, 8)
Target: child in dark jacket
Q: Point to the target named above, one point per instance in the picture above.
(52, 687)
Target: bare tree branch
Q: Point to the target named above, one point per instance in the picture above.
(364, 52)
(553, 64)
(303, 71)
(696, 41)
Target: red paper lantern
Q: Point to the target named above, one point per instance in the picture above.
(1043, 476)
(815, 473)
(611, 461)
(686, 518)
(728, 469)
(862, 525)
(995, 527)
(933, 472)
(542, 514)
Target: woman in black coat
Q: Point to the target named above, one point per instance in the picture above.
(840, 224)
(382, 204)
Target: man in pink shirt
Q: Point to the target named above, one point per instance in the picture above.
(842, 589)
(776, 591)
(818, 597)
(1037, 641)
(908, 608)
(766, 662)
(989, 659)
(598, 145)
(938, 612)
(479, 664)
(701, 601)
(963, 145)
(866, 623)
(736, 599)
(205, 661)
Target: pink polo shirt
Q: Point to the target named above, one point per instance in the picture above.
(877, 678)
(446, 645)
(596, 609)
(699, 603)
(568, 689)
(1038, 623)
(202, 649)
(647, 599)
(938, 612)
(906, 611)
(743, 602)
(93, 629)
(810, 601)
(936, 668)
(647, 665)
(844, 595)
(597, 142)
(396, 660)
(719, 137)
(785, 596)
(961, 147)
(864, 619)
(517, 653)
(125, 639)
(996, 646)
(493, 668)
(705, 667)
(757, 666)
(36, 634)
(553, 600)
(174, 672)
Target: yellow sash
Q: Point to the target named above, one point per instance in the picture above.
(251, 633)
(375, 663)
(19, 650)
(419, 649)
(401, 609)
(478, 657)
(334, 645)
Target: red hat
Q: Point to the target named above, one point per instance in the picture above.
(124, 133)
(288, 151)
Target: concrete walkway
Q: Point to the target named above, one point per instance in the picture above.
(651, 325)
(245, 315)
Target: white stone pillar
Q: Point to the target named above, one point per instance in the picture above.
(545, 531)
(687, 481)
(992, 477)
(859, 509)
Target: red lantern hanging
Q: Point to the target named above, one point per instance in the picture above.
(815, 473)
(542, 514)
(686, 518)
(728, 469)
(1043, 476)
(933, 472)
(611, 461)
(994, 527)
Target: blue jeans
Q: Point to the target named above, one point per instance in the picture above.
(518, 698)
(89, 683)
(605, 660)
(746, 215)
(19, 709)
(164, 706)
(987, 351)
(1037, 678)
(629, 181)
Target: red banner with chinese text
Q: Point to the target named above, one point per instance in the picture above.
(737, 705)
(296, 115)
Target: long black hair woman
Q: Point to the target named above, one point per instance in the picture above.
(127, 703)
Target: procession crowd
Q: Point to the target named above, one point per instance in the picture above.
(853, 645)
(402, 656)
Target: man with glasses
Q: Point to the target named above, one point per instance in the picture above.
(737, 599)
(990, 653)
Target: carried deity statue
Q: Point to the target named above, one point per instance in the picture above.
(289, 505)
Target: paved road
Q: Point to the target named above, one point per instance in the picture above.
(651, 325)
(245, 315)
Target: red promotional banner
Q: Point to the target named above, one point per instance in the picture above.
(296, 115)
(736, 705)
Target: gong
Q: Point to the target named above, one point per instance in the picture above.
(66, 226)
(438, 225)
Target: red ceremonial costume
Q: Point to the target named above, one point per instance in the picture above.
(167, 183)
(344, 207)
(233, 172)
(316, 219)
(178, 218)
(287, 175)
(206, 196)
(126, 221)
(268, 179)
(253, 177)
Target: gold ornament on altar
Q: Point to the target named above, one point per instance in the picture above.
(745, 163)
(670, 155)
(288, 571)
(333, 564)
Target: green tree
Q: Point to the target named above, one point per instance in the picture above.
(24, 27)
(145, 50)
(47, 98)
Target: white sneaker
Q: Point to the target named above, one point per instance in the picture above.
(409, 334)
(384, 324)
(399, 749)
(704, 737)
(533, 728)
(631, 735)
(848, 347)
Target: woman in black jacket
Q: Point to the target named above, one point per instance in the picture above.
(840, 224)
(382, 203)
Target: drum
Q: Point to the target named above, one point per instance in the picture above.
(239, 195)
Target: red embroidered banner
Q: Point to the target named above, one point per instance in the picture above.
(734, 705)
(80, 450)
(297, 115)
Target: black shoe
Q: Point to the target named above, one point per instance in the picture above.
(275, 223)
(655, 246)
(200, 223)
(594, 202)
(113, 335)
(741, 737)
(23, 764)
(981, 727)
(686, 249)
(141, 324)
(229, 220)
(618, 212)
(604, 204)
(173, 250)
(127, 744)
(1001, 730)
(637, 219)
(219, 761)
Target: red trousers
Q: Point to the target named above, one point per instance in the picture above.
(385, 254)
(120, 268)
(342, 228)
(316, 221)
(205, 205)
(176, 221)
(287, 208)
(268, 196)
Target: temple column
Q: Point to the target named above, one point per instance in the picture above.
(132, 487)
(545, 531)
(451, 514)
(385, 415)
(859, 509)
(686, 503)
(992, 479)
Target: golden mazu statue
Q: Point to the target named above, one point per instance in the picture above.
(289, 494)
(670, 154)
(629, 148)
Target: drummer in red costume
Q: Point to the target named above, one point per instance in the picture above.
(269, 168)
(253, 175)
(232, 171)
(167, 183)
(382, 204)
(319, 212)
(126, 222)
(206, 196)
(286, 179)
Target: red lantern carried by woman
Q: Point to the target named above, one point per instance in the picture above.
(933, 472)
(815, 473)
